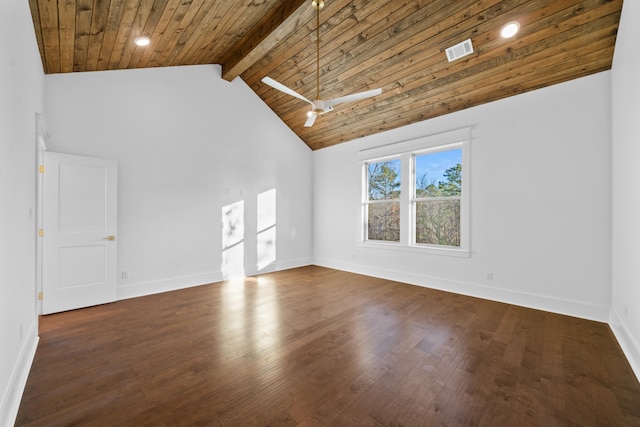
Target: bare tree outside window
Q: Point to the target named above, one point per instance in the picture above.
(437, 215)
(383, 195)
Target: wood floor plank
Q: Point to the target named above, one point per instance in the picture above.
(318, 347)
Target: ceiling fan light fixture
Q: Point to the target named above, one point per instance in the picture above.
(142, 41)
(510, 29)
(320, 106)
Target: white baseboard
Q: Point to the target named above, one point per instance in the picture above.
(583, 310)
(134, 290)
(140, 289)
(13, 394)
(629, 345)
(282, 265)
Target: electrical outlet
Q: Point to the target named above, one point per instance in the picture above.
(125, 274)
(21, 331)
(490, 275)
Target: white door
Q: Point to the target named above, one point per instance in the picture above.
(78, 232)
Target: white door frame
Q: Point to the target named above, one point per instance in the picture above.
(42, 139)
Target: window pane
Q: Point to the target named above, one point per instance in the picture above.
(384, 222)
(439, 174)
(438, 222)
(383, 180)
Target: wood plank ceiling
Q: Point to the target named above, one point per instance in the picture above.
(397, 45)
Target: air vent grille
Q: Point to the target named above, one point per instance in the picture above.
(458, 51)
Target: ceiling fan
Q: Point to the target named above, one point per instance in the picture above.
(319, 106)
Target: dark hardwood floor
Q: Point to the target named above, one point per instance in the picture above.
(314, 346)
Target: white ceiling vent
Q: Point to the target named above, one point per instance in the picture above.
(458, 51)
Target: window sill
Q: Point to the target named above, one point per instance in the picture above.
(417, 249)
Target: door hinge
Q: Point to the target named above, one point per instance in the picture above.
(41, 168)
(41, 232)
(40, 296)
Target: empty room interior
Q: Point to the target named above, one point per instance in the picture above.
(311, 212)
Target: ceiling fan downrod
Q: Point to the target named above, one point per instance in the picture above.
(320, 106)
(317, 5)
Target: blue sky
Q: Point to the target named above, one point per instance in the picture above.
(435, 164)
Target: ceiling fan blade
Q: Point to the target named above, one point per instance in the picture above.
(282, 88)
(310, 121)
(353, 97)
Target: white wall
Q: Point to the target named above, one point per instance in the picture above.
(625, 307)
(540, 203)
(187, 143)
(21, 88)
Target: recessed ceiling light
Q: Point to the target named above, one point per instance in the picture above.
(510, 29)
(142, 40)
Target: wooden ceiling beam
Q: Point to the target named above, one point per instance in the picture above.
(263, 38)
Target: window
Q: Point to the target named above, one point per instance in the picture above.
(438, 191)
(415, 194)
(383, 200)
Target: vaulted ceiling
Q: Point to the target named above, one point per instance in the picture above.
(396, 45)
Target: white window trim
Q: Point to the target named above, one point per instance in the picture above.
(406, 150)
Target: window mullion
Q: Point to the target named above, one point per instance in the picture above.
(405, 199)
(364, 209)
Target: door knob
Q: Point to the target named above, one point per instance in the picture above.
(111, 238)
